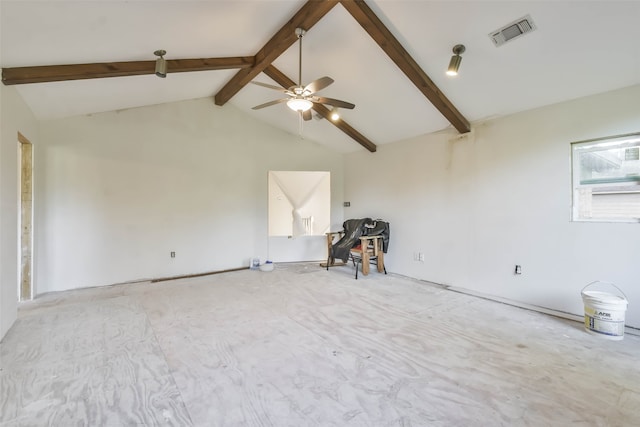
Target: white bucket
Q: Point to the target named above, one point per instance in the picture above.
(604, 312)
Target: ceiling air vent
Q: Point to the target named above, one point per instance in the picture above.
(512, 31)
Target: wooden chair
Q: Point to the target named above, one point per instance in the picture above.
(372, 253)
(332, 237)
(368, 251)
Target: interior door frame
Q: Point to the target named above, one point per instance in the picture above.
(25, 220)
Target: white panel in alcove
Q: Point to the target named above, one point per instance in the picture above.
(299, 203)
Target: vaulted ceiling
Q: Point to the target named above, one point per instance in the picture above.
(387, 56)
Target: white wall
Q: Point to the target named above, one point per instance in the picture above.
(15, 117)
(116, 192)
(478, 205)
(119, 191)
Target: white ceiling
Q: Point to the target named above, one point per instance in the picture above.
(579, 48)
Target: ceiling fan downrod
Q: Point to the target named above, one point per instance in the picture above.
(300, 32)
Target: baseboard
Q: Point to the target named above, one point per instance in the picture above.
(557, 313)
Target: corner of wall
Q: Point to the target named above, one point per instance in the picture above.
(15, 116)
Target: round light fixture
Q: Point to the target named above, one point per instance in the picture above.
(299, 104)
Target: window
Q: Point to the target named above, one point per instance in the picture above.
(606, 179)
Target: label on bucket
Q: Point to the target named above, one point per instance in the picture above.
(609, 322)
(615, 329)
(604, 314)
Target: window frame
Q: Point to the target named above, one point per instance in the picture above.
(604, 185)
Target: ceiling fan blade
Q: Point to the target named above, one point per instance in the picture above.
(306, 115)
(334, 102)
(270, 103)
(278, 88)
(318, 84)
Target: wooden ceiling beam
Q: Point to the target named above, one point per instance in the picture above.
(398, 54)
(306, 17)
(286, 82)
(57, 73)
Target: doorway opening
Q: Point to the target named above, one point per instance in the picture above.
(25, 285)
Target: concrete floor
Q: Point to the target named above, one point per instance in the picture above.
(301, 346)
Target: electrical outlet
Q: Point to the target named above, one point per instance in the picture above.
(173, 254)
(518, 269)
(420, 257)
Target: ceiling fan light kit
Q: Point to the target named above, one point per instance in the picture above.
(161, 63)
(299, 104)
(456, 59)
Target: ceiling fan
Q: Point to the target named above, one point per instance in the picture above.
(301, 98)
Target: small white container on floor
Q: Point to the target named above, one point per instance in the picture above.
(267, 266)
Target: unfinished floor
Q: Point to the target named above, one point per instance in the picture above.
(302, 346)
